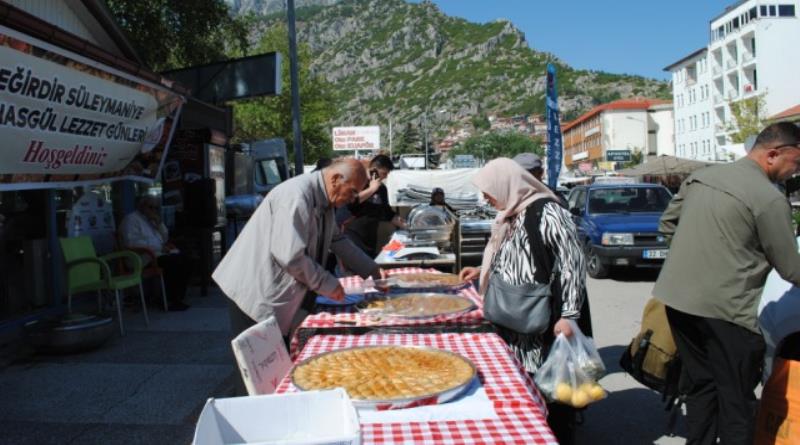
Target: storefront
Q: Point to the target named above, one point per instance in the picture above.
(80, 118)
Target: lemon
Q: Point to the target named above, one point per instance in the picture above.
(580, 399)
(597, 392)
(563, 393)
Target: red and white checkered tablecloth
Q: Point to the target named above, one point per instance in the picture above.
(519, 407)
(339, 316)
(328, 316)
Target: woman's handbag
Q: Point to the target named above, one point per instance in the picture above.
(524, 309)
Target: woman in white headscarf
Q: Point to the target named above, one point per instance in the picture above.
(531, 235)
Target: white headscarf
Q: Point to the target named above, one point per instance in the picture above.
(514, 189)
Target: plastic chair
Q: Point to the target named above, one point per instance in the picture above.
(151, 268)
(87, 272)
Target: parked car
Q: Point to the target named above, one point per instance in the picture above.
(618, 224)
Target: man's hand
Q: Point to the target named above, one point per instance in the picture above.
(337, 294)
(563, 326)
(469, 273)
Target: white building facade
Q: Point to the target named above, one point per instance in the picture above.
(693, 108)
(750, 53)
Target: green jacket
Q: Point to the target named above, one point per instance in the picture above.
(735, 226)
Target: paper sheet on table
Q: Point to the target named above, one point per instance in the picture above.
(472, 405)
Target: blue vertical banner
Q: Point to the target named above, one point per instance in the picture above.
(555, 152)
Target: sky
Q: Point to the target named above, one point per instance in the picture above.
(619, 36)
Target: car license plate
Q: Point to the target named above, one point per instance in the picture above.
(654, 254)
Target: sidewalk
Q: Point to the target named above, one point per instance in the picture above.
(145, 388)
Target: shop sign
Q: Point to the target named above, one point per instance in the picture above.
(618, 155)
(67, 120)
(357, 138)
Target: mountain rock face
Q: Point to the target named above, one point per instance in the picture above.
(392, 60)
(267, 7)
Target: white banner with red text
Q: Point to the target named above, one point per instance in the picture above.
(66, 120)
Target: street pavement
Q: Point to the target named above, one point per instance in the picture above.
(631, 414)
(149, 386)
(145, 388)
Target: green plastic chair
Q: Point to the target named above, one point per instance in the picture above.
(87, 272)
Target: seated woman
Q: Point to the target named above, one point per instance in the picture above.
(437, 199)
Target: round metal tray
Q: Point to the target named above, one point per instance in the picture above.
(398, 403)
(398, 282)
(411, 313)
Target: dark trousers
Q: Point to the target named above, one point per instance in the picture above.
(176, 276)
(561, 419)
(722, 365)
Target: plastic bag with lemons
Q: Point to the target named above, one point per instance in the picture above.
(563, 377)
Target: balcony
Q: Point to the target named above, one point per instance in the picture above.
(718, 99)
(748, 59)
(733, 94)
(716, 71)
(731, 64)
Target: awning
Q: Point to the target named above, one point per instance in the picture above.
(664, 165)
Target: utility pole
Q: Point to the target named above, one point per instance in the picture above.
(390, 138)
(425, 136)
(298, 137)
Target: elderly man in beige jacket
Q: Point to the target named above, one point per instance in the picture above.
(279, 256)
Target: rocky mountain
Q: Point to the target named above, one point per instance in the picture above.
(267, 7)
(402, 61)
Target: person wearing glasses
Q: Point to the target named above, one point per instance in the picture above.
(143, 228)
(729, 226)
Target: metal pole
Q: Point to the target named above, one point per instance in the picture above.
(425, 136)
(390, 138)
(298, 137)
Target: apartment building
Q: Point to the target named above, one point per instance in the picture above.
(749, 54)
(614, 131)
(693, 107)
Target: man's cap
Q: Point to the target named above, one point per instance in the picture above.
(528, 161)
(437, 190)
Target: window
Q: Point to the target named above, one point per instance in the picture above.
(267, 172)
(786, 10)
(753, 13)
(772, 12)
(763, 10)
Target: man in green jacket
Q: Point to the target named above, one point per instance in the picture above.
(729, 226)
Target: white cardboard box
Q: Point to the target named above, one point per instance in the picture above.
(312, 418)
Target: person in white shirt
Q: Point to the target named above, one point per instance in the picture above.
(143, 228)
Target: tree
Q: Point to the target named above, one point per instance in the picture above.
(499, 144)
(480, 122)
(410, 140)
(637, 156)
(170, 34)
(748, 118)
(269, 117)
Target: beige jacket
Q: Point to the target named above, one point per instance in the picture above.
(280, 253)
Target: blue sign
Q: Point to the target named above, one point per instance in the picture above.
(555, 151)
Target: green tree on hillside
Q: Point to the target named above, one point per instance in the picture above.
(410, 141)
(268, 117)
(171, 34)
(499, 144)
